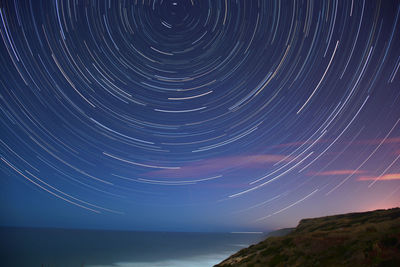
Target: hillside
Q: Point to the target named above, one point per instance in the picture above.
(354, 239)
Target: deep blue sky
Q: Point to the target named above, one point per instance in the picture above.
(197, 115)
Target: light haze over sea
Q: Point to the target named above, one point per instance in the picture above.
(67, 247)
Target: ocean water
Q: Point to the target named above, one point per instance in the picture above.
(65, 247)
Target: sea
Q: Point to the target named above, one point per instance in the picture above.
(43, 247)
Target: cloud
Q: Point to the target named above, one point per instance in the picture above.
(218, 165)
(299, 143)
(393, 140)
(386, 177)
(337, 172)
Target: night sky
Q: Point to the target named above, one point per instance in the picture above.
(196, 115)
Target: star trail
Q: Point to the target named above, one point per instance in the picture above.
(197, 114)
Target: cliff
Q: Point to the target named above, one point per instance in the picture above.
(354, 239)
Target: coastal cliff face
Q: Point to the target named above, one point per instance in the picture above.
(354, 239)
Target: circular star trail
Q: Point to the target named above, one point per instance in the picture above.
(246, 111)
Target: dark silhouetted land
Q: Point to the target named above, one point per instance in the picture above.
(354, 239)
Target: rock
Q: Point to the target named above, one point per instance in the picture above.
(354, 239)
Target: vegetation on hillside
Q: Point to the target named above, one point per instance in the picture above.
(354, 239)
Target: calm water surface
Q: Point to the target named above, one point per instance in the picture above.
(62, 247)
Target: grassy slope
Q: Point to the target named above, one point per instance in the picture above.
(354, 239)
